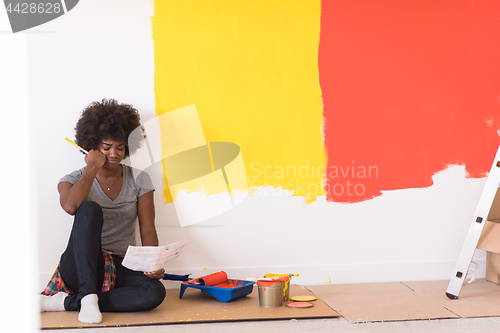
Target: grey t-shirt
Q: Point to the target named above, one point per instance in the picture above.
(120, 215)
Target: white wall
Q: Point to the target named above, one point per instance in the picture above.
(19, 267)
(103, 49)
(100, 49)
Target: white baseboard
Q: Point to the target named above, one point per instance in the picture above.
(335, 274)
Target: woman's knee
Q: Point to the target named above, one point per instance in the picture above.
(155, 294)
(90, 211)
(90, 207)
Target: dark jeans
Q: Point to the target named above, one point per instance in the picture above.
(82, 270)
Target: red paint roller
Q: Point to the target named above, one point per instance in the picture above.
(211, 280)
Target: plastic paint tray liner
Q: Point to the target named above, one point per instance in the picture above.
(242, 288)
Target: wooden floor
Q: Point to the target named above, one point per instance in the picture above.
(410, 300)
(373, 302)
(196, 307)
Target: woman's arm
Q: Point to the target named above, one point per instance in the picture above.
(149, 237)
(146, 214)
(72, 196)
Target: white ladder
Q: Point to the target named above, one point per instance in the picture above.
(476, 227)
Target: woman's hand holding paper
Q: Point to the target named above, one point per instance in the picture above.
(157, 275)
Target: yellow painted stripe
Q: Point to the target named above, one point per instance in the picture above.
(211, 157)
(251, 69)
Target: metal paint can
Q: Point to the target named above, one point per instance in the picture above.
(270, 294)
(286, 286)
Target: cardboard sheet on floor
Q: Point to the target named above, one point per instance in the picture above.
(489, 242)
(478, 299)
(371, 302)
(195, 307)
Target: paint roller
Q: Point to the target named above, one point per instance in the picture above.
(210, 280)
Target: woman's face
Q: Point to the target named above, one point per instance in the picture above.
(114, 151)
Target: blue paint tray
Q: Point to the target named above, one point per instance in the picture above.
(242, 288)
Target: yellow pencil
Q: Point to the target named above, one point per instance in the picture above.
(77, 146)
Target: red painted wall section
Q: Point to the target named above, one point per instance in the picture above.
(409, 88)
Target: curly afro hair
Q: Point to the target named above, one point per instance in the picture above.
(106, 120)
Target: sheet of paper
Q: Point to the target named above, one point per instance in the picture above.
(152, 258)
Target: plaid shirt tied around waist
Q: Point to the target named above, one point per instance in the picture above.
(56, 283)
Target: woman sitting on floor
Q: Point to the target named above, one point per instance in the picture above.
(106, 200)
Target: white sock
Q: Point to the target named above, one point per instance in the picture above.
(53, 303)
(89, 310)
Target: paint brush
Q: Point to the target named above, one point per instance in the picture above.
(289, 274)
(255, 279)
(77, 146)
